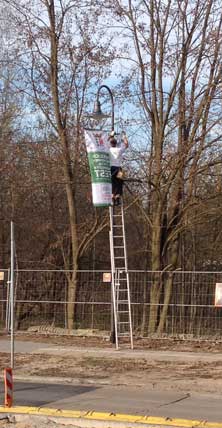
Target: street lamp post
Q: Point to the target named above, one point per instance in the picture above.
(97, 111)
(99, 115)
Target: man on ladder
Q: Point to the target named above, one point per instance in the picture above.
(116, 169)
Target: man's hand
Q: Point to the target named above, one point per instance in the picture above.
(125, 139)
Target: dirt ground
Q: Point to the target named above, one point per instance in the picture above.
(188, 375)
(180, 373)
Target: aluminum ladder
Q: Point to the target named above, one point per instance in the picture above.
(121, 305)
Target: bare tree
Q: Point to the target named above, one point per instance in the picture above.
(60, 56)
(176, 55)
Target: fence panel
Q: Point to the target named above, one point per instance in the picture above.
(41, 300)
(4, 282)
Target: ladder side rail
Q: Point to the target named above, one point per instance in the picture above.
(111, 241)
(114, 309)
(124, 238)
(130, 312)
(117, 285)
(127, 277)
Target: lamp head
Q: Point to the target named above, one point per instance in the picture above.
(97, 112)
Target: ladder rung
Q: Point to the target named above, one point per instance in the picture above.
(122, 291)
(118, 236)
(117, 225)
(123, 322)
(122, 301)
(123, 312)
(123, 286)
(117, 215)
(118, 246)
(124, 334)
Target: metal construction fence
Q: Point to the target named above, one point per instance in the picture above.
(41, 300)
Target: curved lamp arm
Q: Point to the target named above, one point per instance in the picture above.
(112, 101)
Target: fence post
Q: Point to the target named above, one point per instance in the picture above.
(12, 295)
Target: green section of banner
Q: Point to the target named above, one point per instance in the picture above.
(102, 205)
(97, 146)
(99, 163)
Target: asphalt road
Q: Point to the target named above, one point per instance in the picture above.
(27, 347)
(127, 400)
(109, 398)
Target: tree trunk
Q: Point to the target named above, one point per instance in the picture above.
(67, 169)
(156, 268)
(72, 289)
(154, 302)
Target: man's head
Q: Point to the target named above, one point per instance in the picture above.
(113, 142)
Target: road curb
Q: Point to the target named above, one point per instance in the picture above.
(110, 417)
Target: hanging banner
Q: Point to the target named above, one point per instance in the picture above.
(99, 162)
